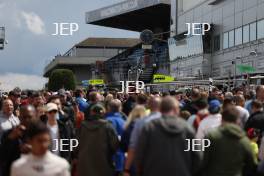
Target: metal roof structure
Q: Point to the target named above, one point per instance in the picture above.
(134, 15)
(108, 42)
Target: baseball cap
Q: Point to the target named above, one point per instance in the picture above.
(214, 106)
(51, 107)
(98, 109)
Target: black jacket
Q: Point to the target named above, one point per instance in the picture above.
(9, 152)
(256, 120)
(66, 131)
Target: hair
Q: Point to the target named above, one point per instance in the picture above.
(78, 92)
(168, 104)
(142, 99)
(36, 128)
(228, 102)
(165, 94)
(257, 104)
(239, 99)
(204, 95)
(138, 112)
(36, 94)
(201, 103)
(185, 115)
(195, 94)
(259, 88)
(230, 114)
(93, 96)
(53, 97)
(154, 103)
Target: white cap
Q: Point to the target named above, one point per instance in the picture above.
(51, 107)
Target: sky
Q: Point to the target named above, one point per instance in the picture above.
(31, 45)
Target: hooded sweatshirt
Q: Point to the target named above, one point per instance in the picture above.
(160, 149)
(230, 152)
(97, 144)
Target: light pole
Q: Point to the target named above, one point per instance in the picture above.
(235, 70)
(128, 73)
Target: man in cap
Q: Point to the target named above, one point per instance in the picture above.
(98, 143)
(58, 131)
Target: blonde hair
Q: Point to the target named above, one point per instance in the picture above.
(138, 112)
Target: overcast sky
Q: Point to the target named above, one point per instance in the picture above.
(29, 28)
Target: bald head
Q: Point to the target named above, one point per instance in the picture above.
(115, 105)
(154, 104)
(169, 106)
(27, 114)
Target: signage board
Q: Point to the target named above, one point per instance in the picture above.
(160, 78)
(95, 82)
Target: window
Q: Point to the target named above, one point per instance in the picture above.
(261, 29)
(238, 36)
(217, 43)
(225, 40)
(231, 38)
(246, 34)
(253, 31)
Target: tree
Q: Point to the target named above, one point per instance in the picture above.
(62, 78)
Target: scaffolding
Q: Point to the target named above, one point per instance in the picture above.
(2, 37)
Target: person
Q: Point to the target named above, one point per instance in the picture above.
(243, 112)
(137, 113)
(79, 115)
(253, 135)
(259, 97)
(154, 106)
(230, 151)
(94, 98)
(190, 106)
(82, 102)
(202, 112)
(14, 142)
(38, 99)
(58, 130)
(7, 119)
(15, 97)
(129, 104)
(66, 106)
(256, 119)
(161, 145)
(40, 161)
(98, 142)
(212, 121)
(115, 117)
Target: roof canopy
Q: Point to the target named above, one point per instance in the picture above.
(134, 15)
(108, 42)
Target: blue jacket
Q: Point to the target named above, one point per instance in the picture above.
(82, 103)
(118, 123)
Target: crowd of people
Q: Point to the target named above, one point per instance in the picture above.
(143, 134)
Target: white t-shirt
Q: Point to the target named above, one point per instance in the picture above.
(209, 123)
(7, 123)
(54, 133)
(243, 115)
(49, 165)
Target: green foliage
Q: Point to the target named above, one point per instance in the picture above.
(62, 78)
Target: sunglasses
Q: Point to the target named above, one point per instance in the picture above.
(53, 111)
